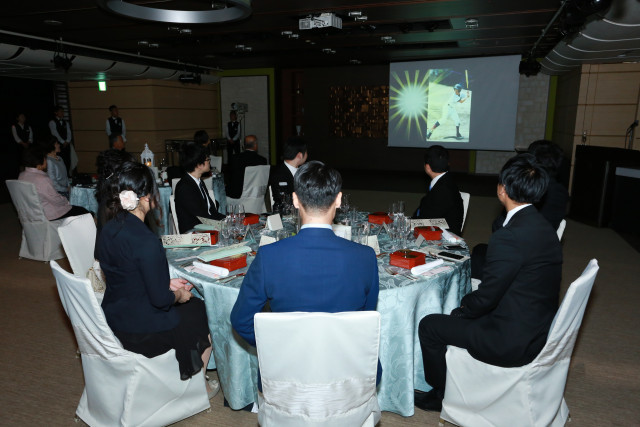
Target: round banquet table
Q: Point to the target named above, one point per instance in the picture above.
(402, 303)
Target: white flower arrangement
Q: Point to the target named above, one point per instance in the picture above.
(128, 200)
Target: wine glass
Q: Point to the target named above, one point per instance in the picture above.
(225, 230)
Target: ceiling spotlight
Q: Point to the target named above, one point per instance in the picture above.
(154, 45)
(328, 50)
(354, 13)
(471, 23)
(247, 49)
(185, 30)
(52, 22)
(388, 39)
(355, 61)
(190, 78)
(239, 46)
(143, 43)
(62, 61)
(294, 36)
(362, 18)
(173, 28)
(286, 33)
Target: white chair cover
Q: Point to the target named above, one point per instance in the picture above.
(40, 239)
(121, 387)
(216, 162)
(318, 369)
(482, 395)
(254, 188)
(561, 227)
(172, 204)
(174, 182)
(465, 204)
(78, 237)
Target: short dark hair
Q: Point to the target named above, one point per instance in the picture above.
(548, 154)
(130, 176)
(316, 186)
(112, 107)
(57, 108)
(193, 154)
(33, 156)
(293, 146)
(438, 158)
(201, 137)
(113, 138)
(47, 145)
(524, 179)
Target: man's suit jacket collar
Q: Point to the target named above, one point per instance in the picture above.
(522, 213)
(437, 179)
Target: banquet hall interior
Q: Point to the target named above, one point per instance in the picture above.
(321, 70)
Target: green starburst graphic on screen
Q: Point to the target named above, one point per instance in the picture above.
(408, 101)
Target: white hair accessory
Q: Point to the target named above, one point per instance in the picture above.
(128, 200)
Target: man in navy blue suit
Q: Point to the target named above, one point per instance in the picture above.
(314, 271)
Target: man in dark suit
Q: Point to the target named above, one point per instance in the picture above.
(239, 162)
(443, 198)
(314, 270)
(506, 321)
(281, 176)
(191, 196)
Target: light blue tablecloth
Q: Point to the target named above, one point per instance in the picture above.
(402, 304)
(86, 197)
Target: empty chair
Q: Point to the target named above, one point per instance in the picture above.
(561, 227)
(40, 239)
(121, 387)
(465, 204)
(318, 369)
(482, 395)
(254, 188)
(216, 162)
(78, 236)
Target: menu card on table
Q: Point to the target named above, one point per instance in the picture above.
(208, 224)
(237, 249)
(435, 222)
(186, 240)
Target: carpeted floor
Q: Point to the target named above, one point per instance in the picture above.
(41, 378)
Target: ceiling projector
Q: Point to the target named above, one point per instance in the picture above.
(323, 21)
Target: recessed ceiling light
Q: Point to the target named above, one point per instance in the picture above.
(362, 18)
(143, 43)
(247, 49)
(355, 61)
(52, 22)
(355, 13)
(294, 36)
(185, 30)
(155, 45)
(471, 23)
(286, 33)
(239, 46)
(173, 28)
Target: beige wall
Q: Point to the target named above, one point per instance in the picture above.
(153, 110)
(598, 101)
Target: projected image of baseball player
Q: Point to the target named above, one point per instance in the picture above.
(449, 110)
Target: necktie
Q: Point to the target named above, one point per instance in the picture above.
(203, 190)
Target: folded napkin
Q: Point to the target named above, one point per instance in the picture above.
(419, 269)
(218, 271)
(237, 249)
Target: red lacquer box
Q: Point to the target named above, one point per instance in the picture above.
(429, 232)
(406, 259)
(231, 262)
(379, 218)
(214, 236)
(251, 218)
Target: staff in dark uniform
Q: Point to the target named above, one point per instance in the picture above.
(115, 124)
(233, 134)
(61, 131)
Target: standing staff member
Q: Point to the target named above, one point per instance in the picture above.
(61, 131)
(232, 133)
(22, 133)
(115, 124)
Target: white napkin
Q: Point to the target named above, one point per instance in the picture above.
(266, 240)
(419, 269)
(450, 237)
(343, 231)
(274, 222)
(218, 271)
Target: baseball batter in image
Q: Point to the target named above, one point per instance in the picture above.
(449, 110)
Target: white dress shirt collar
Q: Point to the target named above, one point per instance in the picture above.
(327, 226)
(514, 211)
(291, 168)
(434, 180)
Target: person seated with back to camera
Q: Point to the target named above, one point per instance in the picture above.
(239, 162)
(281, 176)
(107, 163)
(55, 205)
(56, 169)
(443, 198)
(313, 271)
(149, 312)
(191, 195)
(552, 206)
(505, 322)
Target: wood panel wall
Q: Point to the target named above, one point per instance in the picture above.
(153, 110)
(597, 103)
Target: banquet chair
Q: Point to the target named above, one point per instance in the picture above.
(216, 162)
(318, 369)
(121, 387)
(254, 188)
(172, 203)
(271, 198)
(561, 227)
(465, 204)
(40, 239)
(78, 237)
(174, 182)
(482, 395)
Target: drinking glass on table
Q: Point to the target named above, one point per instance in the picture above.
(225, 231)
